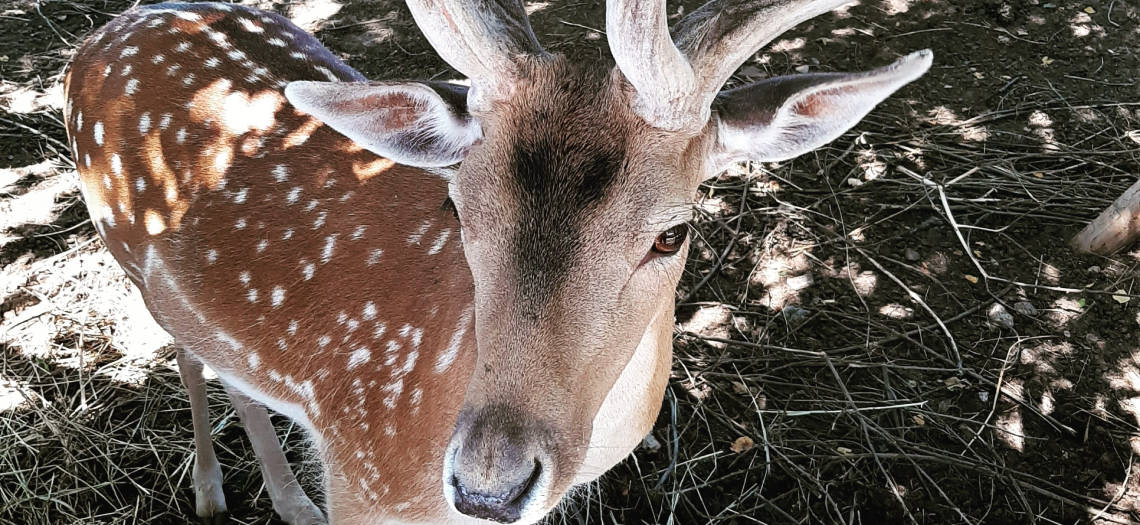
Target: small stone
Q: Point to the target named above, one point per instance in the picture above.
(998, 315)
(912, 255)
(650, 443)
(1025, 308)
(1094, 269)
(795, 315)
(803, 69)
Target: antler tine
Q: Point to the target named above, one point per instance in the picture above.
(720, 35)
(639, 41)
(483, 39)
(676, 82)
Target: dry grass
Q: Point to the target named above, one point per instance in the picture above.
(841, 354)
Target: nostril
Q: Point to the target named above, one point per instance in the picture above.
(504, 505)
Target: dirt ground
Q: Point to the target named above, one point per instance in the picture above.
(888, 330)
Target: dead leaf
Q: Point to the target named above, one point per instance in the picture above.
(954, 383)
(1046, 61)
(919, 420)
(978, 75)
(971, 278)
(1090, 10)
(1039, 174)
(1121, 297)
(843, 451)
(739, 388)
(742, 444)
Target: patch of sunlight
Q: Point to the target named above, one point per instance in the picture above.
(788, 44)
(1126, 374)
(869, 162)
(1051, 274)
(312, 15)
(1064, 310)
(14, 394)
(1081, 25)
(1010, 428)
(1048, 403)
(895, 7)
(865, 283)
(15, 98)
(944, 116)
(1041, 124)
(534, 7)
(715, 206)
(896, 311)
(1042, 356)
(38, 204)
(710, 321)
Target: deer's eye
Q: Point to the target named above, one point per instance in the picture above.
(671, 240)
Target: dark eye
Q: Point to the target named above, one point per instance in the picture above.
(671, 240)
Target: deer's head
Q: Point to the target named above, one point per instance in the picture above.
(575, 184)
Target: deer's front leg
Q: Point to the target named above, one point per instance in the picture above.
(289, 500)
(209, 501)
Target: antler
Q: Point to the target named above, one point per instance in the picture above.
(483, 39)
(676, 82)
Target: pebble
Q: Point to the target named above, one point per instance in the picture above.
(1025, 308)
(1000, 316)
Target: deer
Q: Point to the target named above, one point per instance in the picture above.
(463, 292)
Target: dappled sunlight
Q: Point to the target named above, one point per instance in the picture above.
(1041, 124)
(1082, 25)
(1044, 355)
(312, 15)
(944, 116)
(20, 99)
(782, 275)
(15, 394)
(1063, 311)
(1010, 429)
(896, 7)
(710, 321)
(896, 311)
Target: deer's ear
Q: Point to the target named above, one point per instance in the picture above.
(783, 117)
(414, 123)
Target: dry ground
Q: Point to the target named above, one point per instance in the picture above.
(889, 330)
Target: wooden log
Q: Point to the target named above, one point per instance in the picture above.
(1116, 228)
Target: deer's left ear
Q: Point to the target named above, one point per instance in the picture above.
(783, 117)
(423, 124)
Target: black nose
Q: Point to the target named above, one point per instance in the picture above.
(502, 504)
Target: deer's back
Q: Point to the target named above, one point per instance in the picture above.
(323, 279)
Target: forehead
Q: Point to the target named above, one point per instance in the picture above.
(560, 173)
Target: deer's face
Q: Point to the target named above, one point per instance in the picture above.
(573, 192)
(573, 215)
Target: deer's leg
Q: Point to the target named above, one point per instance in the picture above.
(288, 499)
(208, 498)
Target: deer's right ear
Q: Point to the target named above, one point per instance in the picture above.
(423, 124)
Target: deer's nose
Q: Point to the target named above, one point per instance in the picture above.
(501, 502)
(497, 468)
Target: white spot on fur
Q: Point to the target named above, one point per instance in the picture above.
(439, 242)
(330, 246)
(278, 296)
(447, 357)
(358, 357)
(374, 256)
(97, 133)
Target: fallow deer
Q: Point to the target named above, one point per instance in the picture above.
(464, 294)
